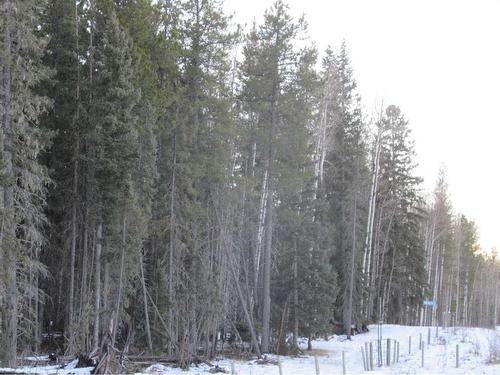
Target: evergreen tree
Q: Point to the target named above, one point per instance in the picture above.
(24, 179)
(199, 166)
(150, 49)
(115, 155)
(345, 181)
(61, 23)
(195, 197)
(277, 82)
(400, 253)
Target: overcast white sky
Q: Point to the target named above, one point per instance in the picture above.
(439, 60)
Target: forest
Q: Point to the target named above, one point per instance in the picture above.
(171, 182)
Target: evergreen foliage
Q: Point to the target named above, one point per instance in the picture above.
(24, 180)
(162, 190)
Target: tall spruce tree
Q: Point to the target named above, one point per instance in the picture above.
(24, 179)
(198, 166)
(151, 50)
(345, 181)
(62, 25)
(276, 114)
(115, 156)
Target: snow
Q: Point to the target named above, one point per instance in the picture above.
(50, 369)
(72, 364)
(37, 358)
(47, 370)
(475, 347)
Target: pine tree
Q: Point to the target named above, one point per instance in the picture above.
(24, 179)
(276, 113)
(62, 24)
(194, 196)
(115, 157)
(345, 181)
(152, 51)
(195, 169)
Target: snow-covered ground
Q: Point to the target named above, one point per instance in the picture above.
(475, 347)
(478, 347)
(68, 369)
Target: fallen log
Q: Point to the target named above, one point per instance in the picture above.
(149, 358)
(266, 361)
(217, 369)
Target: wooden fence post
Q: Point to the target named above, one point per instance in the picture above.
(420, 342)
(409, 345)
(316, 363)
(233, 370)
(367, 351)
(343, 363)
(371, 356)
(379, 350)
(388, 353)
(429, 336)
(363, 355)
(457, 357)
(423, 350)
(280, 368)
(394, 352)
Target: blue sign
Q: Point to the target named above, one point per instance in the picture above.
(429, 302)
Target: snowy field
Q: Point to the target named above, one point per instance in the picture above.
(479, 353)
(475, 347)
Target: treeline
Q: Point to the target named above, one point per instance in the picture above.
(459, 276)
(167, 178)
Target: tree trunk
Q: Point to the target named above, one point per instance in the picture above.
(120, 283)
(266, 306)
(75, 187)
(144, 294)
(73, 248)
(84, 298)
(352, 269)
(97, 291)
(232, 266)
(260, 231)
(295, 302)
(266, 311)
(371, 210)
(172, 246)
(9, 235)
